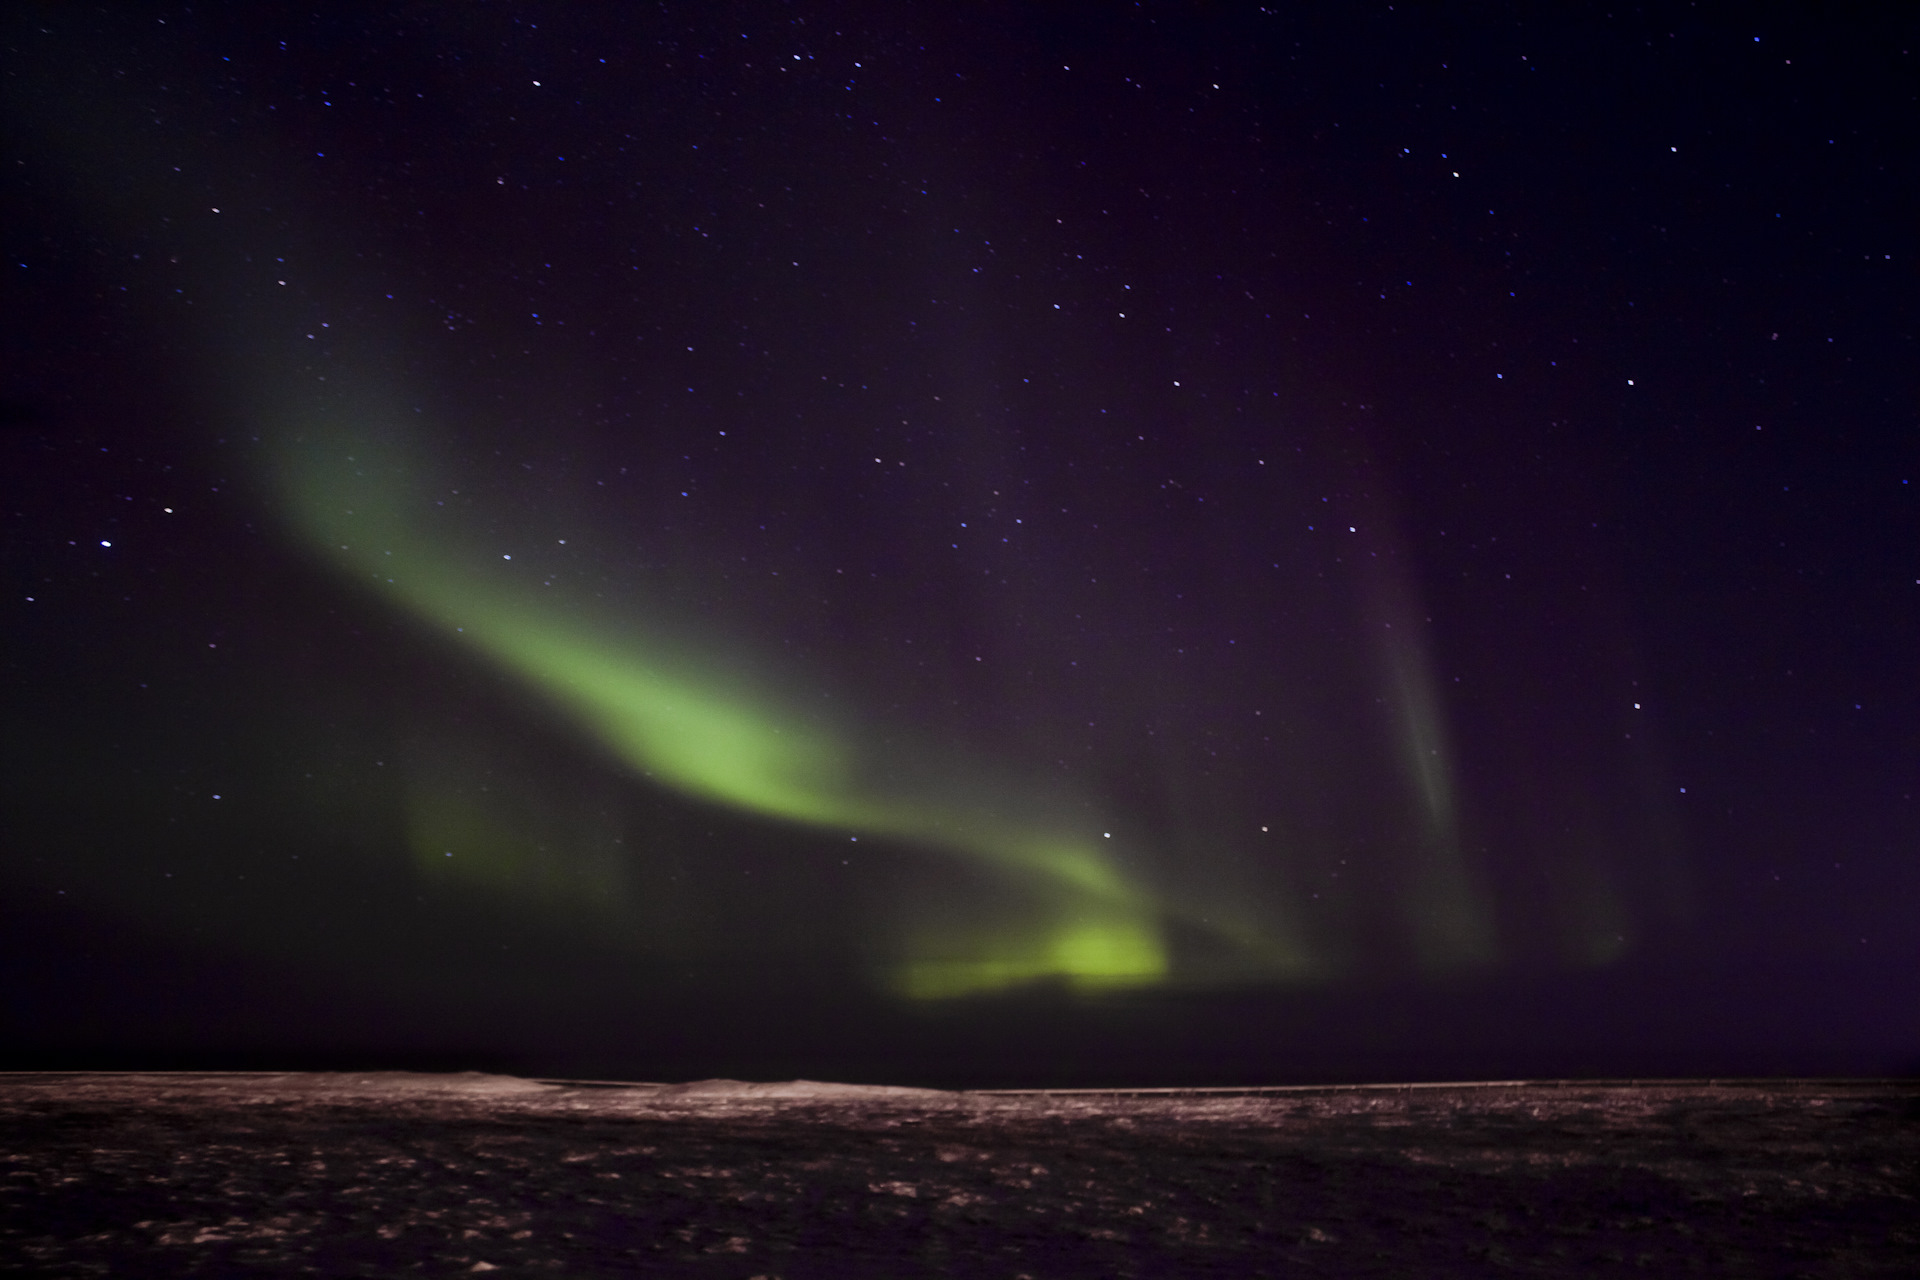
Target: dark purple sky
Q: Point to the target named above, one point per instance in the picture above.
(961, 544)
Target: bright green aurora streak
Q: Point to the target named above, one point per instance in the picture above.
(695, 730)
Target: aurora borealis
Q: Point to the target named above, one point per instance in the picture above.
(1063, 542)
(699, 733)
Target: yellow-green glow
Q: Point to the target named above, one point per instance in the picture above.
(702, 740)
(1088, 954)
(717, 737)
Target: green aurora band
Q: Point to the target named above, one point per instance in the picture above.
(361, 497)
(701, 733)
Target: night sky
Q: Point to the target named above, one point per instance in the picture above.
(961, 544)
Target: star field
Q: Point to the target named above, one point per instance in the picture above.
(1197, 516)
